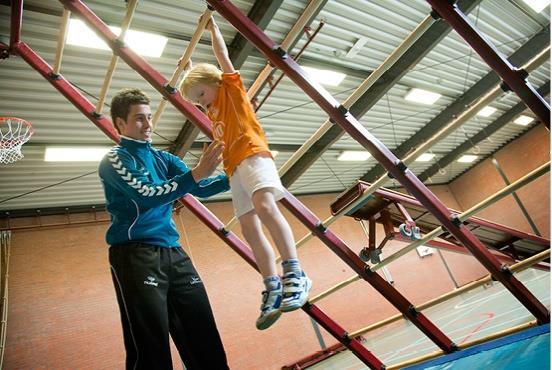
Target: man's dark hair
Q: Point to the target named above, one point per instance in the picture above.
(121, 102)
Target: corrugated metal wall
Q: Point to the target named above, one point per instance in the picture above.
(288, 116)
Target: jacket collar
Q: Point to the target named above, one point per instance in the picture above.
(135, 145)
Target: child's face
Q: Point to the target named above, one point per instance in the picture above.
(203, 94)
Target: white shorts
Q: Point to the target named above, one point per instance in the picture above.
(254, 173)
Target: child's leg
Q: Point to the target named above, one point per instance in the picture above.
(270, 215)
(253, 233)
(264, 255)
(296, 285)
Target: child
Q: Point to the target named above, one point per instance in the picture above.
(254, 180)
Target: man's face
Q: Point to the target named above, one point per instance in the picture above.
(204, 94)
(138, 124)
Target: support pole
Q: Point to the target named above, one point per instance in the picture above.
(131, 7)
(366, 84)
(139, 64)
(363, 87)
(313, 8)
(79, 101)
(382, 154)
(245, 252)
(66, 89)
(183, 62)
(514, 78)
(381, 285)
(16, 19)
(62, 36)
(441, 134)
(297, 57)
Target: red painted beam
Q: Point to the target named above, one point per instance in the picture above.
(381, 285)
(195, 206)
(139, 64)
(16, 20)
(66, 89)
(216, 226)
(200, 211)
(340, 334)
(382, 154)
(486, 50)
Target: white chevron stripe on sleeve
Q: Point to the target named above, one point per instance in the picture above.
(144, 190)
(159, 190)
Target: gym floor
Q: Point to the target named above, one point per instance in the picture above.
(469, 316)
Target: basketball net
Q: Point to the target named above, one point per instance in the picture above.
(14, 132)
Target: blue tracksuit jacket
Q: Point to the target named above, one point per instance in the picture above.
(140, 184)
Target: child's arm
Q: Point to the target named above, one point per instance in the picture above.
(219, 47)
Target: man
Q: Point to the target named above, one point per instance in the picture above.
(158, 289)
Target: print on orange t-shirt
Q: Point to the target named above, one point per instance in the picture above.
(235, 123)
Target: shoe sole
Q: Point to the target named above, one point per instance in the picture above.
(270, 319)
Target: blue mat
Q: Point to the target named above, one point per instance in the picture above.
(529, 349)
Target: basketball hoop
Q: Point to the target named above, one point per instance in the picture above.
(14, 132)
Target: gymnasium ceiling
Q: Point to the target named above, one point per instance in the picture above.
(356, 37)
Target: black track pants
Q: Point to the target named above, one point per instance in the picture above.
(159, 292)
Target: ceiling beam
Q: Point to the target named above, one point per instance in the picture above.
(261, 13)
(319, 5)
(107, 18)
(481, 135)
(520, 57)
(309, 61)
(233, 48)
(431, 37)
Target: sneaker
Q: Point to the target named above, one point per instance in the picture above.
(270, 308)
(296, 291)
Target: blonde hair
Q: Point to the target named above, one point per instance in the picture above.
(202, 73)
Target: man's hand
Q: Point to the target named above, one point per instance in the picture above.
(209, 160)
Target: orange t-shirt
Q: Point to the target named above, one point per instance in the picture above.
(235, 123)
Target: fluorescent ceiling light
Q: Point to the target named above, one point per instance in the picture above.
(487, 111)
(353, 155)
(324, 76)
(537, 5)
(146, 44)
(68, 154)
(426, 157)
(523, 120)
(467, 158)
(422, 96)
